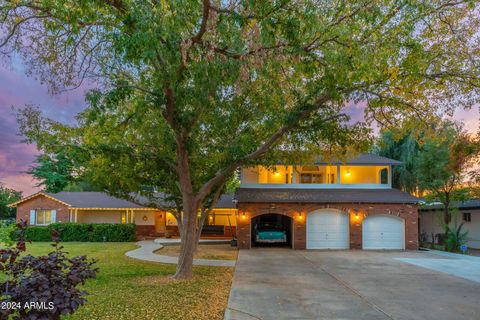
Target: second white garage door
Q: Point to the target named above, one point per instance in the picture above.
(327, 229)
(383, 233)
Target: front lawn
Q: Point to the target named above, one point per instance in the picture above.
(204, 251)
(131, 289)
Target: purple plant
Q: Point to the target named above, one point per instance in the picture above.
(43, 287)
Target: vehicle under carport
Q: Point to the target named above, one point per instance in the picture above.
(272, 230)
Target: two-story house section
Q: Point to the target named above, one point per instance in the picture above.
(349, 205)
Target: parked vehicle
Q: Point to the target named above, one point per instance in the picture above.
(267, 233)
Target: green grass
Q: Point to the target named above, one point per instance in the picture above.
(131, 289)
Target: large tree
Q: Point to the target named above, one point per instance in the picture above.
(8, 196)
(443, 165)
(187, 91)
(60, 172)
(404, 148)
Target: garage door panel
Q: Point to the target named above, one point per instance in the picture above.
(327, 230)
(383, 232)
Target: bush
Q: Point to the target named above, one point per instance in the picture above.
(7, 233)
(51, 280)
(84, 232)
(38, 234)
(456, 238)
(112, 232)
(73, 231)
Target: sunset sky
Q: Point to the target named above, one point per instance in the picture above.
(18, 90)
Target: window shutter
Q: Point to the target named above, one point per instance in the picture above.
(32, 217)
(54, 216)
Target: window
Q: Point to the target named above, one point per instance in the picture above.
(42, 216)
(310, 178)
(384, 176)
(467, 217)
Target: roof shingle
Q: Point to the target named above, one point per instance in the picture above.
(324, 195)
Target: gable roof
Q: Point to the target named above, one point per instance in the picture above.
(323, 195)
(103, 200)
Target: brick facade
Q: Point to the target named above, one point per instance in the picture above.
(42, 202)
(298, 212)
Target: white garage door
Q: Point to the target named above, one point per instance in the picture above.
(383, 232)
(327, 230)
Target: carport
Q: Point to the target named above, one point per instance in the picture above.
(272, 222)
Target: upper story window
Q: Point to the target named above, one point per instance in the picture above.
(42, 217)
(326, 176)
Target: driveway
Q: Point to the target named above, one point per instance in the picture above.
(287, 284)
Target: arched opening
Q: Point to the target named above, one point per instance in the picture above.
(272, 230)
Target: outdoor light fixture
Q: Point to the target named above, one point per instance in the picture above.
(243, 215)
(145, 218)
(347, 173)
(300, 216)
(356, 215)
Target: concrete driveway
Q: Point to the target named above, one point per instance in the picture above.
(287, 284)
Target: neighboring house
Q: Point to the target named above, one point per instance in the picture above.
(332, 205)
(97, 207)
(432, 217)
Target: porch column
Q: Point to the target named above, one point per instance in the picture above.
(338, 174)
(132, 216)
(76, 215)
(294, 174)
(390, 176)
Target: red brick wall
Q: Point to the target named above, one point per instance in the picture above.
(247, 211)
(42, 202)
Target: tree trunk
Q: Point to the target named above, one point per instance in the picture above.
(188, 244)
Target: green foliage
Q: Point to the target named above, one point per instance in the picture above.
(405, 149)
(58, 172)
(35, 233)
(87, 232)
(8, 196)
(112, 232)
(7, 233)
(456, 238)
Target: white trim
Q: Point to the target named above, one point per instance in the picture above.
(315, 186)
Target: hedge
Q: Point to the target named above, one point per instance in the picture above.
(85, 232)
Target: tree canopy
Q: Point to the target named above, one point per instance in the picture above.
(8, 196)
(187, 91)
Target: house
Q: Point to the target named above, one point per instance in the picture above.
(432, 220)
(324, 205)
(43, 208)
(328, 205)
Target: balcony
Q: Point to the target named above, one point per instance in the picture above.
(318, 176)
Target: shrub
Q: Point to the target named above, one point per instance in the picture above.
(73, 231)
(38, 233)
(95, 232)
(7, 233)
(456, 238)
(112, 232)
(51, 280)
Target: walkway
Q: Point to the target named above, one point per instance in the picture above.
(147, 252)
(459, 265)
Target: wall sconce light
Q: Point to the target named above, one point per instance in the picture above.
(210, 218)
(145, 218)
(347, 173)
(356, 216)
(300, 217)
(243, 215)
(277, 173)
